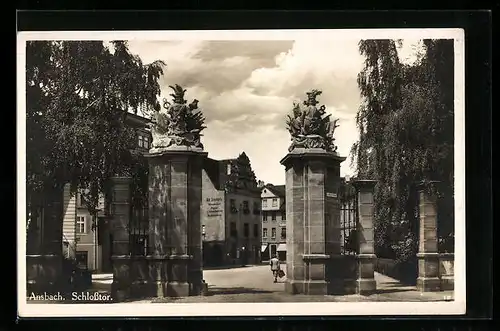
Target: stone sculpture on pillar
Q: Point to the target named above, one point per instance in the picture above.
(314, 261)
(175, 171)
(308, 126)
(177, 124)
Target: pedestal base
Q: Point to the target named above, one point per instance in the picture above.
(134, 277)
(428, 270)
(320, 287)
(45, 274)
(366, 286)
(366, 283)
(119, 293)
(428, 284)
(447, 283)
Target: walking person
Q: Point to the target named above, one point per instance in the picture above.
(275, 267)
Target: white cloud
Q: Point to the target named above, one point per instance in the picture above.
(246, 89)
(331, 66)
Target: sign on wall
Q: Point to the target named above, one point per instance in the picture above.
(214, 207)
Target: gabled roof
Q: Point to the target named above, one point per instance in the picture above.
(278, 190)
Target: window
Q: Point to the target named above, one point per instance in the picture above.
(283, 215)
(232, 230)
(264, 233)
(256, 230)
(264, 217)
(273, 233)
(273, 216)
(246, 208)
(264, 203)
(283, 233)
(143, 141)
(232, 206)
(256, 209)
(228, 169)
(246, 230)
(275, 202)
(80, 224)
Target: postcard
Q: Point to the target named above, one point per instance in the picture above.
(241, 173)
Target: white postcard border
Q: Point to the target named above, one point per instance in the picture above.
(249, 309)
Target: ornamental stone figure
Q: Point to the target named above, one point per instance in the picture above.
(177, 124)
(309, 127)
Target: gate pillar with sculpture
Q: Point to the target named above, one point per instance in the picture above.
(174, 221)
(315, 264)
(170, 264)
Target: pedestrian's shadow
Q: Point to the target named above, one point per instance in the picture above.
(234, 290)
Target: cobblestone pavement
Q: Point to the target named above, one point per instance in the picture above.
(255, 284)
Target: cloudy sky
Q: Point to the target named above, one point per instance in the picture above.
(246, 88)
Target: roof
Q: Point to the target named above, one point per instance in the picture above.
(279, 190)
(212, 170)
(137, 119)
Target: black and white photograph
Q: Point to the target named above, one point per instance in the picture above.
(233, 173)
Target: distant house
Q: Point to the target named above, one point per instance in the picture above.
(273, 215)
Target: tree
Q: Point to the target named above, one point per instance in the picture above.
(380, 87)
(406, 140)
(78, 95)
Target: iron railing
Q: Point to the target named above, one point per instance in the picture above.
(139, 232)
(349, 217)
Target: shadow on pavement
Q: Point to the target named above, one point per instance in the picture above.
(225, 267)
(234, 290)
(392, 290)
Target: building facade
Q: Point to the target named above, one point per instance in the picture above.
(230, 212)
(273, 217)
(88, 240)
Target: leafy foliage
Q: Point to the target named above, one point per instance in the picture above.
(78, 95)
(406, 137)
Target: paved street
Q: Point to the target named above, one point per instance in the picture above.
(255, 284)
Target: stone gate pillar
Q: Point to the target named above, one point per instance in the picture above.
(314, 263)
(175, 193)
(428, 257)
(366, 280)
(119, 223)
(44, 261)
